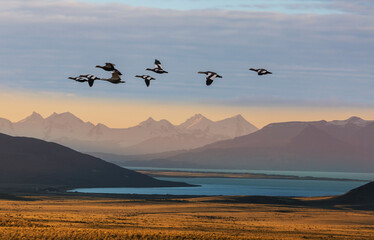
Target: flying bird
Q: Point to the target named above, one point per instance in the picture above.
(110, 67)
(261, 71)
(210, 76)
(82, 79)
(90, 77)
(158, 68)
(115, 79)
(147, 79)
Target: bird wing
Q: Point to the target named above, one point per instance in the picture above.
(119, 73)
(209, 81)
(263, 71)
(115, 75)
(212, 76)
(158, 64)
(91, 82)
(147, 82)
(109, 65)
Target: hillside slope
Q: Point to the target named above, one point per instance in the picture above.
(32, 161)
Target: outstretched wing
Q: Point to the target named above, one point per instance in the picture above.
(147, 82)
(116, 75)
(91, 82)
(119, 73)
(158, 64)
(210, 74)
(209, 81)
(109, 65)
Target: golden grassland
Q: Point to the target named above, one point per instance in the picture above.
(77, 217)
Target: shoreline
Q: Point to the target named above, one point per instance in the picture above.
(202, 174)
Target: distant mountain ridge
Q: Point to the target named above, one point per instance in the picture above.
(346, 145)
(150, 136)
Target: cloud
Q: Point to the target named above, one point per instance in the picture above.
(43, 42)
(362, 7)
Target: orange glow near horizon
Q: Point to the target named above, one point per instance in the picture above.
(127, 113)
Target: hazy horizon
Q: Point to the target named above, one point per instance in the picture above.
(44, 116)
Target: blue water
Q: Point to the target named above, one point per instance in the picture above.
(234, 186)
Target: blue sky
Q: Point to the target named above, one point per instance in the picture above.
(319, 51)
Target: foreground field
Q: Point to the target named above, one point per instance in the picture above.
(200, 218)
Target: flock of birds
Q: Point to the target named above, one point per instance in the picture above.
(116, 74)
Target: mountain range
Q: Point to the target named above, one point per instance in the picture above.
(148, 137)
(346, 145)
(33, 162)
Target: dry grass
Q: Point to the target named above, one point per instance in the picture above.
(93, 218)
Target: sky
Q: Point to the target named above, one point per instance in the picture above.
(320, 53)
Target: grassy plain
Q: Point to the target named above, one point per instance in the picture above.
(89, 217)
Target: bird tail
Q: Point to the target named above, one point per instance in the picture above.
(91, 82)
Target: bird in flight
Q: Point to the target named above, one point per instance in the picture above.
(147, 79)
(261, 71)
(158, 68)
(115, 79)
(110, 67)
(210, 76)
(90, 76)
(83, 79)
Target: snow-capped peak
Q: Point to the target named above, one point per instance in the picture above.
(352, 120)
(64, 118)
(149, 121)
(197, 121)
(34, 117)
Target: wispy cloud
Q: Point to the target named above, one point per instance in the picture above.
(43, 42)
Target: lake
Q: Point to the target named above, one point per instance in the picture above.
(235, 186)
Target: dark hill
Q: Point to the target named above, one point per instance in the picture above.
(360, 195)
(32, 161)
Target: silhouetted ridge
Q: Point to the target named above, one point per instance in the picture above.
(360, 195)
(32, 161)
